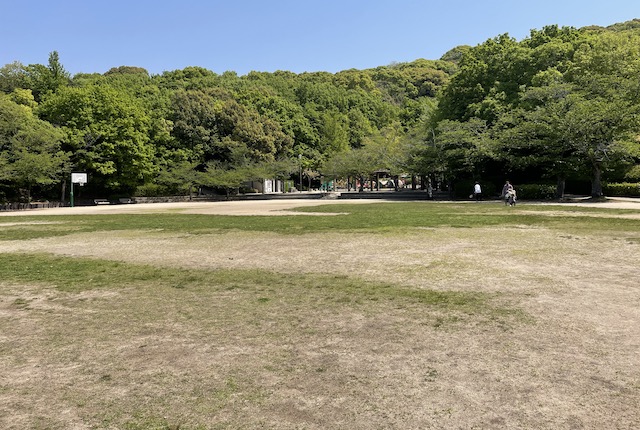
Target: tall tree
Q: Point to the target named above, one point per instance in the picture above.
(334, 136)
(459, 150)
(12, 76)
(30, 149)
(534, 136)
(45, 80)
(107, 133)
(597, 130)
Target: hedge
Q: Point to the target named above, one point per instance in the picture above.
(535, 191)
(622, 189)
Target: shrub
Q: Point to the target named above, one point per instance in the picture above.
(622, 189)
(247, 190)
(149, 190)
(536, 192)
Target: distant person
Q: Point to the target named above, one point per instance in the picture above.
(511, 197)
(508, 194)
(506, 187)
(477, 191)
(505, 191)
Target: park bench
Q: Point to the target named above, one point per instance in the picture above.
(101, 201)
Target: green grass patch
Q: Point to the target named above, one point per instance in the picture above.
(72, 274)
(379, 217)
(34, 231)
(267, 289)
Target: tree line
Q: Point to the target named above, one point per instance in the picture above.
(560, 105)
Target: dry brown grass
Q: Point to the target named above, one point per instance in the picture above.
(155, 356)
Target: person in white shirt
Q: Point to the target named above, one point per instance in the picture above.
(477, 191)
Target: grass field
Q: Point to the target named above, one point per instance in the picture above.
(406, 315)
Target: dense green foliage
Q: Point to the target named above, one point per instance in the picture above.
(561, 105)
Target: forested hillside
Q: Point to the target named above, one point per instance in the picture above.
(560, 105)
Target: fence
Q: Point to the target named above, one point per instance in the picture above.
(27, 206)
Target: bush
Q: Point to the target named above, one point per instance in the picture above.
(623, 189)
(536, 192)
(150, 190)
(247, 190)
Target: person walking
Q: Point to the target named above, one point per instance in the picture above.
(477, 191)
(509, 194)
(506, 191)
(511, 199)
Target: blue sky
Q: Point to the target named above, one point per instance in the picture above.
(294, 35)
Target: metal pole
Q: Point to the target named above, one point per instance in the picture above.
(71, 193)
(300, 162)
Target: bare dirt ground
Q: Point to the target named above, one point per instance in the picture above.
(573, 364)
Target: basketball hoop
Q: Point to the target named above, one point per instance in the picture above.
(77, 178)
